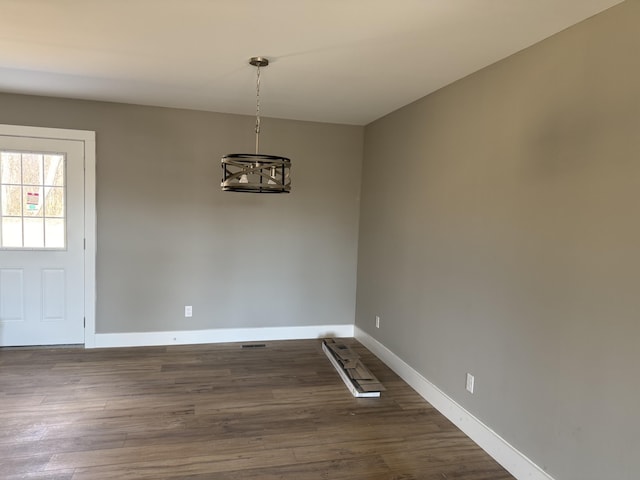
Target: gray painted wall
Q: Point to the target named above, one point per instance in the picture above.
(499, 235)
(168, 237)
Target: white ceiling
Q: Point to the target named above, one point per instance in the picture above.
(343, 61)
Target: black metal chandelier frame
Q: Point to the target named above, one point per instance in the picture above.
(256, 173)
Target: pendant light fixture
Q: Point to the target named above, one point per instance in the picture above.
(256, 173)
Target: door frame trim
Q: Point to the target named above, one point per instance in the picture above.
(88, 138)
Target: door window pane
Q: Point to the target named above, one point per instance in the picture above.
(54, 233)
(54, 202)
(11, 200)
(11, 232)
(54, 170)
(11, 171)
(32, 200)
(32, 169)
(33, 232)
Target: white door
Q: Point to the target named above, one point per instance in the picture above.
(42, 290)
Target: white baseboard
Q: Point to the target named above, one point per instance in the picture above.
(220, 335)
(505, 454)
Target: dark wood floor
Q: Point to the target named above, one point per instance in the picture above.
(218, 412)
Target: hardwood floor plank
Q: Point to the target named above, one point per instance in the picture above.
(61, 444)
(57, 475)
(364, 468)
(24, 465)
(187, 465)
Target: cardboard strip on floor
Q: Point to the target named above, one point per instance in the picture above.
(355, 375)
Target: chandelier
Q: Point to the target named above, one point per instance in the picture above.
(256, 173)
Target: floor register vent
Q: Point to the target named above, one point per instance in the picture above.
(358, 379)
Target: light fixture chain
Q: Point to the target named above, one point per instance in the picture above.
(258, 109)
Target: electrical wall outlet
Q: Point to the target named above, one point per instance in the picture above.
(377, 321)
(188, 311)
(471, 383)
